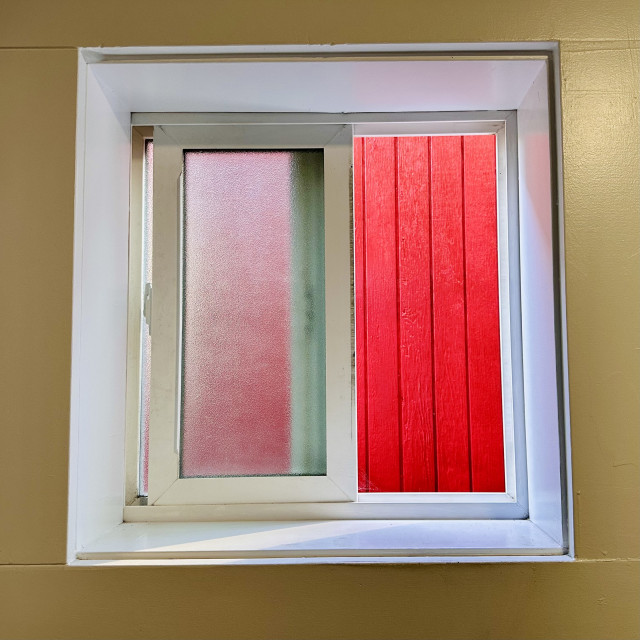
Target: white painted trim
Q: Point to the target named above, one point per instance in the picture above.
(134, 321)
(446, 127)
(514, 427)
(165, 317)
(235, 134)
(511, 326)
(562, 311)
(451, 50)
(96, 451)
(76, 313)
(333, 560)
(302, 85)
(99, 316)
(342, 455)
(539, 282)
(367, 123)
(316, 539)
(465, 506)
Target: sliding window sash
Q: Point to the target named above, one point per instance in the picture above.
(166, 487)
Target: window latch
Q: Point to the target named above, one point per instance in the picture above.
(146, 305)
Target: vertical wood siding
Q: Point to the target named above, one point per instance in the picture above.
(427, 318)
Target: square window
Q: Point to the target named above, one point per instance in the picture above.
(354, 311)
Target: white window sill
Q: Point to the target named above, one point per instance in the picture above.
(312, 542)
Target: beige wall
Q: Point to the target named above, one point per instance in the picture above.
(595, 597)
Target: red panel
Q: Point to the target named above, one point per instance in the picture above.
(483, 320)
(381, 315)
(418, 468)
(427, 315)
(449, 330)
(360, 313)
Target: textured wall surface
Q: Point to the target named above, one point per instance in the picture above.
(595, 597)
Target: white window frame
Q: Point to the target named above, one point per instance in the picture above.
(176, 132)
(113, 84)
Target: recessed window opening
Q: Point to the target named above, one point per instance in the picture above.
(140, 377)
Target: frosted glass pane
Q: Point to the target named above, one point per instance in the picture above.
(253, 361)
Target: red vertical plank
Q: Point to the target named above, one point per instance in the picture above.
(418, 470)
(360, 312)
(449, 330)
(483, 319)
(381, 314)
(427, 315)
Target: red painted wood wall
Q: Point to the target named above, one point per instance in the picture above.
(427, 318)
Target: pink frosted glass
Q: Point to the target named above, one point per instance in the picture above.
(237, 313)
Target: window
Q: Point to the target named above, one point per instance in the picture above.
(252, 315)
(301, 157)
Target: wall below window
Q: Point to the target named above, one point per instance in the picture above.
(594, 597)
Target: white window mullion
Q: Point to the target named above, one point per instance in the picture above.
(342, 464)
